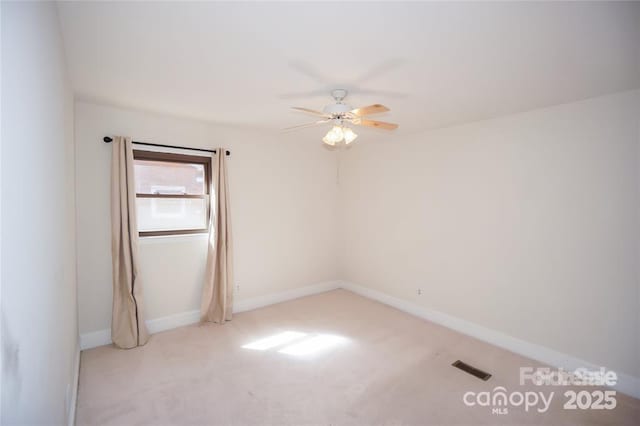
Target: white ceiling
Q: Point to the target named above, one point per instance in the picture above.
(433, 64)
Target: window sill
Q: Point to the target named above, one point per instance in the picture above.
(163, 239)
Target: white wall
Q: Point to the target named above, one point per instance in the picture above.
(39, 313)
(526, 224)
(283, 203)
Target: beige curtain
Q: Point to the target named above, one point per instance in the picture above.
(128, 329)
(217, 292)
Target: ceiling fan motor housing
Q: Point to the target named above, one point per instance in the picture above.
(337, 109)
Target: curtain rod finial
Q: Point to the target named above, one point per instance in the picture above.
(107, 139)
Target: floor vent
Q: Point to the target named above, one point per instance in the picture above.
(472, 370)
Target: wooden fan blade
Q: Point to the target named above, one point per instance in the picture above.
(376, 124)
(312, 112)
(368, 110)
(302, 126)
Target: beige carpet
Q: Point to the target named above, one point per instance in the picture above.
(330, 359)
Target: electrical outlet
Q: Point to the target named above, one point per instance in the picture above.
(237, 288)
(419, 292)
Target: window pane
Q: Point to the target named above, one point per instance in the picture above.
(164, 177)
(166, 214)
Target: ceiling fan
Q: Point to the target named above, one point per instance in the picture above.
(341, 114)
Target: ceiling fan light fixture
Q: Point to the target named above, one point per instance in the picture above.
(349, 135)
(328, 141)
(333, 136)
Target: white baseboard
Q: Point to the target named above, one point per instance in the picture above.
(73, 401)
(103, 337)
(172, 321)
(626, 383)
(94, 339)
(283, 296)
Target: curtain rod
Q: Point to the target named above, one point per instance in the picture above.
(107, 139)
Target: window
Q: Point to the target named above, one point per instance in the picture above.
(172, 193)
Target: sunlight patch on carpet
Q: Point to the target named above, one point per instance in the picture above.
(297, 343)
(275, 340)
(313, 345)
